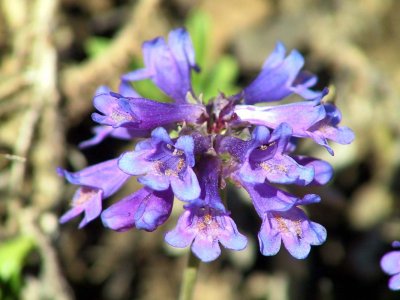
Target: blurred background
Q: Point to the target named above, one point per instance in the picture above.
(55, 53)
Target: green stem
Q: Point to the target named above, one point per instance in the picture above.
(189, 278)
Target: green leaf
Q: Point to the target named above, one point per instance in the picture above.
(96, 45)
(199, 26)
(215, 76)
(12, 255)
(222, 78)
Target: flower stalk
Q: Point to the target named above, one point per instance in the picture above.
(189, 278)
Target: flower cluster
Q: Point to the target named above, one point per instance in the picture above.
(188, 149)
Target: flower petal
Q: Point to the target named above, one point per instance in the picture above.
(279, 78)
(394, 282)
(70, 214)
(122, 133)
(145, 209)
(267, 198)
(154, 181)
(183, 234)
(168, 65)
(296, 246)
(186, 188)
(390, 262)
(269, 239)
(230, 237)
(299, 116)
(106, 176)
(92, 210)
(206, 249)
(323, 171)
(186, 143)
(135, 162)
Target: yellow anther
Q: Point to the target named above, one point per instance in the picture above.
(207, 219)
(181, 164)
(273, 168)
(170, 172)
(264, 165)
(118, 116)
(177, 152)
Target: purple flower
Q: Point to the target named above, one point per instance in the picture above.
(204, 228)
(307, 119)
(280, 77)
(161, 163)
(104, 131)
(390, 264)
(292, 227)
(283, 221)
(142, 114)
(327, 128)
(96, 182)
(145, 209)
(300, 116)
(168, 65)
(205, 223)
(265, 159)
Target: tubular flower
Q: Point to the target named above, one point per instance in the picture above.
(265, 158)
(96, 183)
(145, 209)
(160, 163)
(168, 65)
(280, 77)
(316, 120)
(191, 151)
(205, 222)
(140, 113)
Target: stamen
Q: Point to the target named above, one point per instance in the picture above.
(207, 222)
(207, 219)
(284, 226)
(299, 232)
(158, 166)
(118, 116)
(181, 164)
(170, 172)
(281, 168)
(273, 168)
(266, 146)
(264, 165)
(177, 152)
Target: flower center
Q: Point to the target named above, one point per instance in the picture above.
(206, 221)
(288, 226)
(273, 168)
(83, 195)
(119, 116)
(169, 160)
